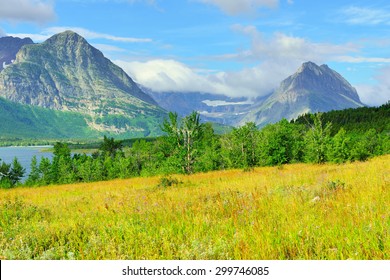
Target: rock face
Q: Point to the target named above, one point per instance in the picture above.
(9, 47)
(66, 73)
(312, 88)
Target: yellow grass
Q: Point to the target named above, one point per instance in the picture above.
(296, 211)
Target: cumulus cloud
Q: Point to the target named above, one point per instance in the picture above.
(275, 57)
(170, 75)
(36, 11)
(284, 47)
(234, 7)
(379, 93)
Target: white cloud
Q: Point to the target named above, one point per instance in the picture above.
(87, 34)
(2, 33)
(379, 93)
(36, 11)
(276, 57)
(234, 7)
(170, 75)
(287, 48)
(365, 16)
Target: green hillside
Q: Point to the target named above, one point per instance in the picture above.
(32, 122)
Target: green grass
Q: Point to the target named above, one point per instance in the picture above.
(295, 211)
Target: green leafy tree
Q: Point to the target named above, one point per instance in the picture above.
(281, 143)
(368, 145)
(317, 140)
(239, 148)
(210, 147)
(340, 147)
(184, 139)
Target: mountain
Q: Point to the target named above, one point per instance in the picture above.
(9, 46)
(312, 89)
(67, 74)
(215, 108)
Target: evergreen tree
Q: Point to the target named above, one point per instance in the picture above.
(110, 147)
(34, 176)
(5, 181)
(45, 171)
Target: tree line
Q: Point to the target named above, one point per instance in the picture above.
(190, 146)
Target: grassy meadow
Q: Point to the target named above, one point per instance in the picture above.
(296, 211)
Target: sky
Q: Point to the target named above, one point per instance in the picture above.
(232, 47)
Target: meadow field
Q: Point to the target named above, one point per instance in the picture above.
(297, 211)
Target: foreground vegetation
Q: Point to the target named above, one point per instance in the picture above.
(298, 211)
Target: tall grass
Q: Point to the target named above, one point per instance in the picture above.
(295, 211)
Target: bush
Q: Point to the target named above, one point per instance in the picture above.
(168, 182)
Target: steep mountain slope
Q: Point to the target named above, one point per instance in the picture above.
(312, 88)
(9, 47)
(20, 121)
(66, 73)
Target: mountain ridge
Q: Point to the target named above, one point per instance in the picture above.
(310, 89)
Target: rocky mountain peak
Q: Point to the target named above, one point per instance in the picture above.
(311, 88)
(309, 67)
(9, 46)
(67, 39)
(66, 73)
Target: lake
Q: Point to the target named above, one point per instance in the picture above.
(24, 155)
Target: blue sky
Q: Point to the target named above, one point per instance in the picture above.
(232, 47)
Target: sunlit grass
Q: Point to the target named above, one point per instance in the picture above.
(291, 212)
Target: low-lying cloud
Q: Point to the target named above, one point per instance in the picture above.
(378, 93)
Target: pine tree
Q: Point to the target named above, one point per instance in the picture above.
(34, 176)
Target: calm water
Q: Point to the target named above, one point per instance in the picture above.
(24, 155)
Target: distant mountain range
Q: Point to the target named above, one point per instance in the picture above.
(67, 74)
(65, 78)
(311, 89)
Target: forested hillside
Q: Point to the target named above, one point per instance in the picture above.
(357, 120)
